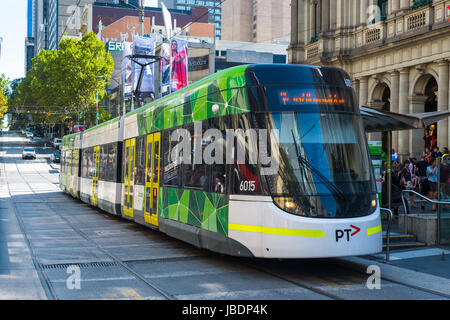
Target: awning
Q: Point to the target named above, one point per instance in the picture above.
(376, 120)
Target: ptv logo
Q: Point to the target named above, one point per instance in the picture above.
(341, 232)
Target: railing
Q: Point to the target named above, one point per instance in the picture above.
(416, 20)
(425, 199)
(388, 231)
(373, 35)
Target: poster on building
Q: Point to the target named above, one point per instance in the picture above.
(144, 46)
(127, 71)
(164, 64)
(179, 48)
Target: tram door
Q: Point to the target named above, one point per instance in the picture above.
(69, 170)
(128, 175)
(75, 159)
(95, 176)
(152, 178)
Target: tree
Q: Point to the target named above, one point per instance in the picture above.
(4, 84)
(4, 90)
(62, 84)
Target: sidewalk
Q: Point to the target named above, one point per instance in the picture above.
(18, 276)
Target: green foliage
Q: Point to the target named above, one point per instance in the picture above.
(4, 84)
(64, 82)
(420, 3)
(3, 104)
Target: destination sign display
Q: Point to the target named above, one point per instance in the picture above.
(309, 96)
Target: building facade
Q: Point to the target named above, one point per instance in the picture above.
(235, 53)
(31, 33)
(214, 11)
(262, 21)
(396, 51)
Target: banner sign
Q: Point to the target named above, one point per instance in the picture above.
(179, 50)
(198, 63)
(144, 46)
(164, 64)
(127, 72)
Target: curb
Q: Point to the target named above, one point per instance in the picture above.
(422, 281)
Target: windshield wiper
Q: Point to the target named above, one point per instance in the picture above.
(328, 184)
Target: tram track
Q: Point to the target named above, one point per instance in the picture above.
(51, 294)
(301, 284)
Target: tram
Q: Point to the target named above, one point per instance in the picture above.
(318, 201)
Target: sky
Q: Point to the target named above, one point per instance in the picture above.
(13, 30)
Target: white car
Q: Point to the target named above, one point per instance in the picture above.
(57, 143)
(30, 135)
(28, 153)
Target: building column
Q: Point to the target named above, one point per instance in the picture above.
(403, 108)
(394, 104)
(443, 89)
(395, 6)
(325, 16)
(404, 4)
(416, 143)
(363, 91)
(363, 12)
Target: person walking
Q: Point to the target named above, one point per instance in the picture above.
(432, 174)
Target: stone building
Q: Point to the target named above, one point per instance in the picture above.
(396, 51)
(261, 21)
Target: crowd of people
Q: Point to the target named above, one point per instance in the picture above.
(418, 175)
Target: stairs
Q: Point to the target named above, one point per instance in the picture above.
(401, 241)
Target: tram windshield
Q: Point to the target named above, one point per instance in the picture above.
(324, 168)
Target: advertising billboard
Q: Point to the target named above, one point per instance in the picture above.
(144, 46)
(127, 71)
(179, 49)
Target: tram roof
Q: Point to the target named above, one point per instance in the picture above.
(376, 120)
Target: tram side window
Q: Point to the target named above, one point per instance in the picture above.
(83, 163)
(171, 170)
(196, 174)
(246, 179)
(103, 163)
(91, 166)
(62, 162)
(140, 161)
(218, 177)
(112, 162)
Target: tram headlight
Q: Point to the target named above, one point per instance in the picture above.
(288, 204)
(374, 203)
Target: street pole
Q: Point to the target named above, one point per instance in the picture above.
(96, 105)
(141, 18)
(389, 169)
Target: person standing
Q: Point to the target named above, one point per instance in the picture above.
(427, 139)
(421, 173)
(394, 156)
(432, 174)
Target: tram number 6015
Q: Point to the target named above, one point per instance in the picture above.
(247, 186)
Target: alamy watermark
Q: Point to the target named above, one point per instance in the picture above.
(209, 147)
(374, 280)
(73, 282)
